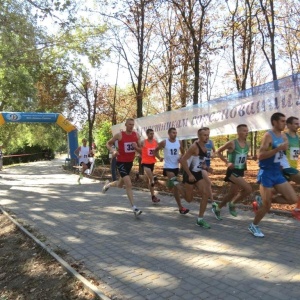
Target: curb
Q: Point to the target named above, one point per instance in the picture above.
(92, 288)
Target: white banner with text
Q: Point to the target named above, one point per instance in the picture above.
(252, 107)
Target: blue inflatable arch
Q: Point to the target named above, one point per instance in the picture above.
(59, 119)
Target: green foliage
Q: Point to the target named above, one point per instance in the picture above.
(16, 136)
(102, 136)
(29, 153)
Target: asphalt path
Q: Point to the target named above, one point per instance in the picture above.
(161, 254)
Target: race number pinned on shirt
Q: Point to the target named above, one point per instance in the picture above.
(278, 156)
(128, 148)
(151, 151)
(240, 160)
(294, 153)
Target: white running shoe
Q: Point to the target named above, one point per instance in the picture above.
(137, 212)
(105, 187)
(255, 230)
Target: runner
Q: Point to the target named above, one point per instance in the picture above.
(289, 164)
(270, 176)
(210, 147)
(83, 152)
(148, 147)
(193, 162)
(172, 148)
(237, 158)
(128, 143)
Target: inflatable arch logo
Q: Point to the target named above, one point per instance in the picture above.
(60, 120)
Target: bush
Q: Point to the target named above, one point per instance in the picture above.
(28, 154)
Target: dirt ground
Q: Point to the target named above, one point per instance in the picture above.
(28, 272)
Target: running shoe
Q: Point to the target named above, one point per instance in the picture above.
(296, 214)
(169, 183)
(232, 209)
(257, 203)
(255, 230)
(137, 212)
(105, 187)
(216, 211)
(258, 200)
(172, 182)
(183, 210)
(203, 224)
(155, 199)
(255, 206)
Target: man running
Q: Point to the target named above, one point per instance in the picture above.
(193, 163)
(270, 176)
(128, 144)
(172, 148)
(148, 161)
(236, 164)
(288, 164)
(83, 153)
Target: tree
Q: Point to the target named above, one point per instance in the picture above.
(137, 21)
(267, 29)
(242, 30)
(288, 31)
(193, 14)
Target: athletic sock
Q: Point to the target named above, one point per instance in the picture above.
(199, 219)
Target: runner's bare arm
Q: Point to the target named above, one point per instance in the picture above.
(160, 146)
(183, 160)
(77, 151)
(181, 148)
(138, 145)
(110, 143)
(265, 151)
(229, 146)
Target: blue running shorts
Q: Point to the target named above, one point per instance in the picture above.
(270, 177)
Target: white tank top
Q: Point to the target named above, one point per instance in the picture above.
(84, 155)
(196, 163)
(171, 154)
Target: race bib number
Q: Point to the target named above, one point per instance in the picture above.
(278, 156)
(294, 153)
(240, 160)
(201, 162)
(174, 151)
(151, 152)
(284, 162)
(128, 148)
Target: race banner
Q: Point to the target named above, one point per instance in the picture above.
(252, 107)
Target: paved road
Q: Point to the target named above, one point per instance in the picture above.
(161, 254)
